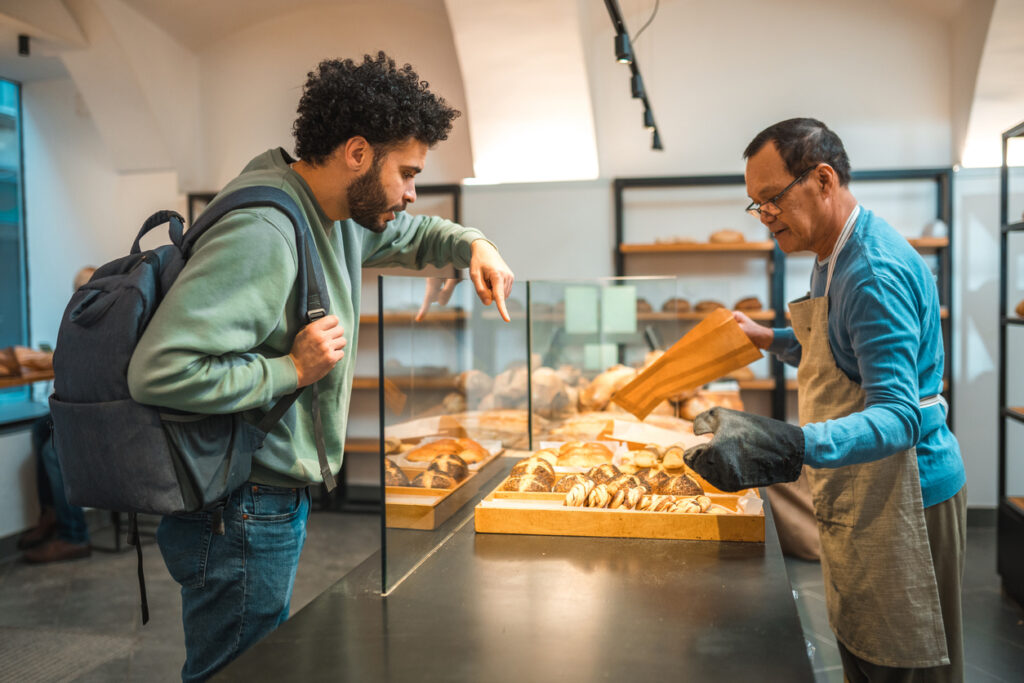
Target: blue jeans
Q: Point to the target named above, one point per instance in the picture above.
(235, 587)
(71, 525)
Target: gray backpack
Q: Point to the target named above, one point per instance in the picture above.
(120, 455)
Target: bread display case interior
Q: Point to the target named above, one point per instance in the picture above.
(442, 431)
(1010, 476)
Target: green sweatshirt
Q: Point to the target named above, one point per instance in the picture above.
(220, 339)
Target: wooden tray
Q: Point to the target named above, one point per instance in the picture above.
(543, 514)
(410, 507)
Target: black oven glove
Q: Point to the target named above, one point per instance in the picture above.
(747, 450)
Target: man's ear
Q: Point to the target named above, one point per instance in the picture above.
(826, 179)
(358, 154)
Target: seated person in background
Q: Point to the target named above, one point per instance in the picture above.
(61, 533)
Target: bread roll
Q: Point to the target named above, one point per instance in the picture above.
(748, 304)
(547, 454)
(526, 483)
(603, 473)
(693, 407)
(450, 464)
(393, 474)
(643, 306)
(583, 454)
(676, 304)
(597, 394)
(1020, 309)
(510, 387)
(681, 485)
(708, 305)
(453, 403)
(431, 479)
(673, 458)
(550, 394)
(727, 236)
(467, 449)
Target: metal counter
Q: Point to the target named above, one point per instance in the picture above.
(499, 608)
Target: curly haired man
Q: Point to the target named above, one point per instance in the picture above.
(223, 339)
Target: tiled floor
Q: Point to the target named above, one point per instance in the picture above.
(80, 621)
(993, 624)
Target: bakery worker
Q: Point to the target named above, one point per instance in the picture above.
(884, 469)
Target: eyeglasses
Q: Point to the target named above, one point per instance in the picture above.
(771, 207)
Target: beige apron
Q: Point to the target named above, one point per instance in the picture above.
(880, 587)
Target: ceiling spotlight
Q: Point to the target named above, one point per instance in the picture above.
(636, 85)
(623, 50)
(648, 119)
(656, 141)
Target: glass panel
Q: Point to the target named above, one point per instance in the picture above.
(453, 397)
(13, 306)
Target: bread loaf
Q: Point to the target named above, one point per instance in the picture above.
(643, 306)
(673, 458)
(597, 394)
(726, 236)
(676, 304)
(526, 483)
(393, 474)
(467, 449)
(748, 304)
(603, 473)
(708, 305)
(681, 485)
(653, 477)
(431, 479)
(450, 464)
(536, 467)
(693, 407)
(547, 454)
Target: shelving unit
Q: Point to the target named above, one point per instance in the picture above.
(1010, 539)
(776, 314)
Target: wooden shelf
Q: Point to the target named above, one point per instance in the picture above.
(1017, 502)
(27, 378)
(434, 317)
(442, 383)
(928, 243)
(698, 247)
(362, 445)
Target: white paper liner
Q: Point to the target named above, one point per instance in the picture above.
(409, 499)
(412, 429)
(641, 433)
(749, 504)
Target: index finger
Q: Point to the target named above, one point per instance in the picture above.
(499, 301)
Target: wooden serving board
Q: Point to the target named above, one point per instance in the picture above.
(507, 512)
(410, 507)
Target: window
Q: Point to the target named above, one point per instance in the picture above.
(13, 280)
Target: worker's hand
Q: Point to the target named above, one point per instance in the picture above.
(317, 348)
(746, 450)
(491, 276)
(760, 335)
(438, 289)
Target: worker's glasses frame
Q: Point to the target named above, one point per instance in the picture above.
(771, 207)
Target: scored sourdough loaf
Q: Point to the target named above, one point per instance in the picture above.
(393, 474)
(526, 483)
(450, 464)
(430, 479)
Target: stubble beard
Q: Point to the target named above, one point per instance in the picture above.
(368, 201)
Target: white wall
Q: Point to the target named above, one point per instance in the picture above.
(19, 508)
(252, 80)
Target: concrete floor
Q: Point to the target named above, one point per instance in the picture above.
(80, 621)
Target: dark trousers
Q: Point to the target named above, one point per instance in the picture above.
(71, 525)
(947, 536)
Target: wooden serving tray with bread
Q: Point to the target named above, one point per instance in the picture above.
(435, 481)
(539, 498)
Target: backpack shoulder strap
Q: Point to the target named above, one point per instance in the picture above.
(310, 280)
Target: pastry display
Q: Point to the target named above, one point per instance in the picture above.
(467, 449)
(450, 464)
(1020, 309)
(726, 236)
(432, 479)
(583, 454)
(599, 392)
(393, 474)
(603, 473)
(681, 485)
(643, 306)
(748, 304)
(707, 305)
(676, 304)
(567, 482)
(526, 483)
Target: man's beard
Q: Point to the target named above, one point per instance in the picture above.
(368, 201)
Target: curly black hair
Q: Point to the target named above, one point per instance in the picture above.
(376, 99)
(802, 143)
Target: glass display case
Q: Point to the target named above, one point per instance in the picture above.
(438, 368)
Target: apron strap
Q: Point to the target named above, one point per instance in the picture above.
(840, 243)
